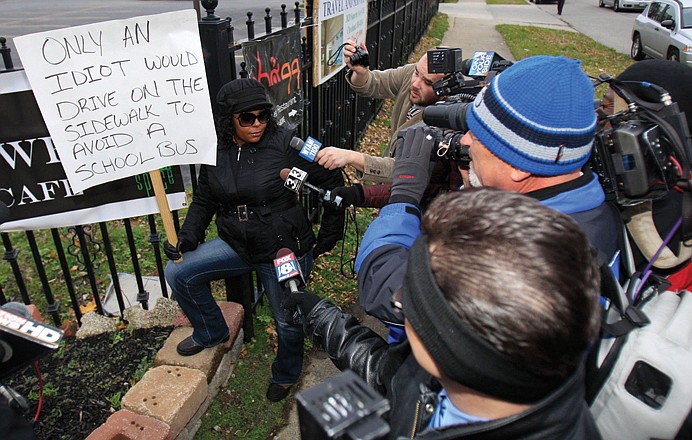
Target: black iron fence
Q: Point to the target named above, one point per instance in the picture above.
(78, 263)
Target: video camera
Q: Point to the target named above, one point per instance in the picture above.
(450, 115)
(644, 150)
(482, 68)
(343, 407)
(23, 339)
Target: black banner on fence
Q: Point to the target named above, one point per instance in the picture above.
(33, 182)
(275, 62)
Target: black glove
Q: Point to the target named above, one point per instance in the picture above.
(176, 252)
(412, 165)
(351, 196)
(302, 300)
(319, 249)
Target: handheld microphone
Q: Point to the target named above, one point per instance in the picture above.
(307, 149)
(288, 272)
(288, 269)
(295, 179)
(22, 339)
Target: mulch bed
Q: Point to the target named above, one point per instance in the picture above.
(85, 379)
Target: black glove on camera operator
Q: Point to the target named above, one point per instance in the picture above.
(412, 165)
(412, 170)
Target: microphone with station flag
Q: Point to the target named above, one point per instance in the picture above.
(288, 270)
(288, 273)
(22, 339)
(295, 179)
(307, 148)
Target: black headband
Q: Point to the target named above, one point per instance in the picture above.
(462, 355)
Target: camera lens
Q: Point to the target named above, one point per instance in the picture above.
(360, 58)
(443, 115)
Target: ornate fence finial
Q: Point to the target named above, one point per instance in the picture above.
(250, 26)
(296, 11)
(284, 16)
(210, 6)
(267, 21)
(6, 56)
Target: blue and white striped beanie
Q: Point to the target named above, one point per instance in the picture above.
(538, 115)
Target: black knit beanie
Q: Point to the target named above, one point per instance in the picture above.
(242, 95)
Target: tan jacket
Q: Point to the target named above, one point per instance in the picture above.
(388, 84)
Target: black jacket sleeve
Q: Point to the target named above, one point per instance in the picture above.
(201, 211)
(352, 345)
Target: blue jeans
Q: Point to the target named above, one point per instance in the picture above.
(214, 260)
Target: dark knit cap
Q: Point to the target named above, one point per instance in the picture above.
(675, 77)
(241, 95)
(538, 115)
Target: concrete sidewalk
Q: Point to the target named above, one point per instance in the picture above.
(472, 24)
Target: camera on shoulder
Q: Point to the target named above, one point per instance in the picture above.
(642, 152)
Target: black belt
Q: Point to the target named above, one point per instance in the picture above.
(243, 211)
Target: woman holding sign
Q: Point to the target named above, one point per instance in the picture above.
(256, 216)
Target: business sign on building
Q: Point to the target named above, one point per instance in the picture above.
(337, 22)
(275, 62)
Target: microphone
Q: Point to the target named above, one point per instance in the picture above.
(307, 149)
(288, 272)
(18, 309)
(295, 179)
(22, 339)
(288, 269)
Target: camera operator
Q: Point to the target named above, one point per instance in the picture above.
(411, 88)
(652, 220)
(500, 302)
(535, 137)
(559, 113)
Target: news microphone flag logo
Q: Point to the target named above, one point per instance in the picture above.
(295, 179)
(310, 149)
(286, 267)
(481, 64)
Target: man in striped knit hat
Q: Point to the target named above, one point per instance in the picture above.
(531, 131)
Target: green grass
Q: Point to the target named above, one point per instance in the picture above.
(439, 24)
(70, 243)
(525, 41)
(240, 410)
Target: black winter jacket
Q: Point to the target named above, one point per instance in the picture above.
(250, 176)
(412, 392)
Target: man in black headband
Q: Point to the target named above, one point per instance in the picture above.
(500, 303)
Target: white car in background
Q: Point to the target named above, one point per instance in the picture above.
(664, 30)
(624, 5)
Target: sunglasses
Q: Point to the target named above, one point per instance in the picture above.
(248, 119)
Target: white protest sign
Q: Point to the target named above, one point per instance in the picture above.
(122, 97)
